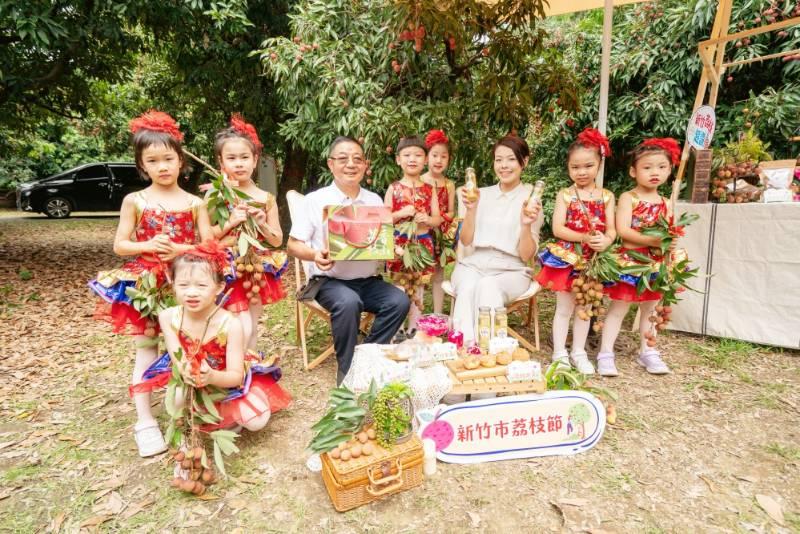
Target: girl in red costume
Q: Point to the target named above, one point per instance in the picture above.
(438, 159)
(412, 200)
(583, 223)
(213, 346)
(651, 166)
(237, 149)
(156, 224)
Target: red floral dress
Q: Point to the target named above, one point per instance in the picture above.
(643, 215)
(275, 263)
(260, 381)
(422, 199)
(113, 305)
(449, 224)
(561, 261)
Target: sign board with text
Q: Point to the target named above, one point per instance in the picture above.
(701, 127)
(520, 426)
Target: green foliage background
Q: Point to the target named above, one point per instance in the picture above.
(72, 74)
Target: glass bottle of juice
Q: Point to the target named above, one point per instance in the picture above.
(500, 322)
(484, 327)
(471, 185)
(536, 194)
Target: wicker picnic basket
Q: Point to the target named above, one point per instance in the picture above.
(368, 478)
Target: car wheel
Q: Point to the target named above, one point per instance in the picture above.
(57, 207)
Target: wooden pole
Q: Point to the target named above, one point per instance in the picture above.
(761, 58)
(605, 68)
(707, 51)
(726, 5)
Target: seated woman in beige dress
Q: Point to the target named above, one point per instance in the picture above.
(503, 235)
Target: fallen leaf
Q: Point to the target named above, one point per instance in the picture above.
(573, 502)
(110, 483)
(708, 482)
(771, 506)
(237, 503)
(115, 504)
(474, 519)
(746, 478)
(55, 524)
(208, 497)
(138, 507)
(13, 454)
(95, 520)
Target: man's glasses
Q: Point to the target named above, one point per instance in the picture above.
(357, 160)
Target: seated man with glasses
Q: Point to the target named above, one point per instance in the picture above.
(350, 287)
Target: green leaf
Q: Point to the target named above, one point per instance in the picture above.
(218, 460)
(209, 404)
(252, 241)
(169, 400)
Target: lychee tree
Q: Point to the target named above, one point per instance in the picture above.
(382, 70)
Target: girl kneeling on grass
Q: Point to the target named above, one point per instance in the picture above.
(208, 342)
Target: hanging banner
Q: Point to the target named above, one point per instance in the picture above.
(520, 426)
(701, 127)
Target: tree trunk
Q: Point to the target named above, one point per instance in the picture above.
(294, 170)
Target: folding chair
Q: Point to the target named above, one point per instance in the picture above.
(305, 311)
(529, 297)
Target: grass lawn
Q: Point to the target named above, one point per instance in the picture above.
(708, 448)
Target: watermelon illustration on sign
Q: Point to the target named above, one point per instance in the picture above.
(360, 232)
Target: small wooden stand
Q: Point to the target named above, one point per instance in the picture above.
(488, 384)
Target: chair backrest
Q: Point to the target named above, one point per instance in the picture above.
(295, 202)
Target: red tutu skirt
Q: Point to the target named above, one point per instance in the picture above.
(625, 288)
(556, 279)
(271, 292)
(627, 293)
(240, 406)
(113, 305)
(400, 240)
(265, 394)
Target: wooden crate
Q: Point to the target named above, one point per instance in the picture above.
(490, 384)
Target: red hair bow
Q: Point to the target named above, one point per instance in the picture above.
(212, 251)
(668, 145)
(246, 129)
(156, 121)
(592, 137)
(436, 137)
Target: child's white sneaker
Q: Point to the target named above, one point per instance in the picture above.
(149, 439)
(651, 360)
(561, 358)
(606, 365)
(580, 361)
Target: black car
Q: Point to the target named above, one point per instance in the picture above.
(90, 187)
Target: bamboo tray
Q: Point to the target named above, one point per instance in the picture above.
(488, 384)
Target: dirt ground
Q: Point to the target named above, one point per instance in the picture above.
(713, 447)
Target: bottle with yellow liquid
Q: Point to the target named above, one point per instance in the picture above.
(471, 185)
(536, 195)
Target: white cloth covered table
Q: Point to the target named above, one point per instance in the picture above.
(753, 253)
